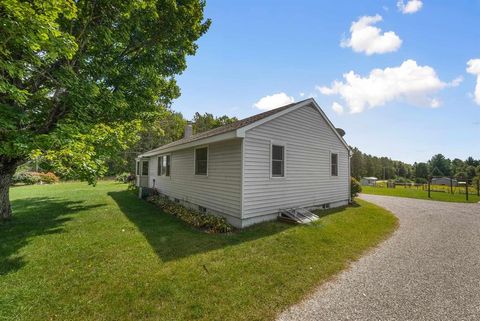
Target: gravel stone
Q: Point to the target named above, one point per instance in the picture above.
(428, 270)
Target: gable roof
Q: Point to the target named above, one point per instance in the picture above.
(238, 128)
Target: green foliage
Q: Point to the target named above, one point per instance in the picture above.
(355, 187)
(207, 121)
(77, 74)
(124, 177)
(208, 222)
(382, 167)
(439, 166)
(30, 178)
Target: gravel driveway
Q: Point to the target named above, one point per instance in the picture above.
(428, 270)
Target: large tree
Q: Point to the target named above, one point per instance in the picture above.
(78, 77)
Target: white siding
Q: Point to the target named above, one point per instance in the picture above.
(308, 140)
(219, 191)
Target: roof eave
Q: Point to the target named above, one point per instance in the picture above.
(213, 139)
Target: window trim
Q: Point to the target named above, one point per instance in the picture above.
(195, 160)
(284, 145)
(331, 164)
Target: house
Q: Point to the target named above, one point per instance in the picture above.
(368, 181)
(247, 171)
(444, 181)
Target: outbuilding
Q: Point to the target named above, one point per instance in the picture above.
(368, 181)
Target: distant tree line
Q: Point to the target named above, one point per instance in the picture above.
(363, 165)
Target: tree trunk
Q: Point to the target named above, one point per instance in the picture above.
(7, 169)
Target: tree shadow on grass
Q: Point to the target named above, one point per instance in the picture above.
(33, 217)
(173, 239)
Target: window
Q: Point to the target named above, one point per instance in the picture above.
(167, 165)
(163, 165)
(160, 166)
(201, 161)
(145, 168)
(334, 163)
(278, 161)
(138, 168)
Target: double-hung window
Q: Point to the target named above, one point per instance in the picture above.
(201, 161)
(334, 164)
(145, 168)
(278, 161)
(163, 165)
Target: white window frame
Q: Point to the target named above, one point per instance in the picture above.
(330, 162)
(195, 160)
(284, 145)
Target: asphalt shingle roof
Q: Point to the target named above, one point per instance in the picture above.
(224, 129)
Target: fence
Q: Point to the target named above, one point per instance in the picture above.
(465, 187)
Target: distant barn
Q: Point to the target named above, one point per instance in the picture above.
(369, 181)
(444, 181)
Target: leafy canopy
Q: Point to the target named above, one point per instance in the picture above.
(80, 77)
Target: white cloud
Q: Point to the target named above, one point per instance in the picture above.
(411, 6)
(369, 39)
(456, 82)
(273, 101)
(337, 108)
(408, 82)
(302, 94)
(473, 67)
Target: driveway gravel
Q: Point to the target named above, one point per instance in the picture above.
(428, 270)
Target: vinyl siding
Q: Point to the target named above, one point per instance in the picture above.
(219, 191)
(308, 141)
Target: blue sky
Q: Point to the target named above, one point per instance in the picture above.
(420, 101)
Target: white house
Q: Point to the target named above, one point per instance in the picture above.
(247, 171)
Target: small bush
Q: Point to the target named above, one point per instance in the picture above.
(125, 177)
(208, 222)
(421, 180)
(355, 187)
(30, 178)
(48, 178)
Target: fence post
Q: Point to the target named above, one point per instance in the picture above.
(451, 185)
(429, 187)
(478, 186)
(466, 188)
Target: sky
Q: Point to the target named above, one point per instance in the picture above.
(402, 78)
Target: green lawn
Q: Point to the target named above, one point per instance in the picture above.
(75, 252)
(419, 193)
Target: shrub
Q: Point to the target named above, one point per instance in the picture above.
(421, 180)
(207, 222)
(355, 187)
(48, 178)
(30, 178)
(125, 177)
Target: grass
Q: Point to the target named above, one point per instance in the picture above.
(75, 252)
(420, 194)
